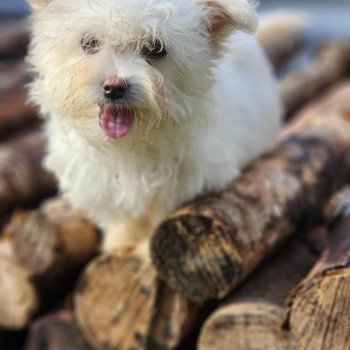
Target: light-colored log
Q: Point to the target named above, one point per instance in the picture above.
(121, 304)
(318, 309)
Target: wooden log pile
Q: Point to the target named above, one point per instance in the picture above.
(263, 264)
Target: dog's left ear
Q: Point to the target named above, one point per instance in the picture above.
(223, 16)
(38, 4)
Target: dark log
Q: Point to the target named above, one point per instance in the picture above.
(57, 331)
(22, 178)
(13, 75)
(329, 67)
(207, 247)
(14, 39)
(15, 113)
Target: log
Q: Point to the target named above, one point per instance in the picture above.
(253, 317)
(53, 241)
(14, 39)
(330, 65)
(318, 309)
(18, 298)
(207, 247)
(22, 178)
(281, 35)
(45, 251)
(57, 331)
(15, 113)
(13, 75)
(120, 304)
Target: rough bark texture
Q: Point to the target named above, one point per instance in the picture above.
(120, 304)
(318, 309)
(22, 178)
(14, 39)
(42, 253)
(209, 246)
(253, 317)
(330, 66)
(15, 113)
(57, 331)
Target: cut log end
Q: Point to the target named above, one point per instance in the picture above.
(319, 313)
(199, 259)
(121, 304)
(113, 296)
(245, 326)
(19, 300)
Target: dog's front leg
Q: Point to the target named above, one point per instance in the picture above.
(128, 234)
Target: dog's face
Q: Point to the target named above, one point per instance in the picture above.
(116, 68)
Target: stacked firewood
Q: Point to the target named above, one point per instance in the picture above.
(263, 264)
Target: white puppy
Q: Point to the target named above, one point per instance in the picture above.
(149, 103)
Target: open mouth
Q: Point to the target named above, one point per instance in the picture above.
(115, 121)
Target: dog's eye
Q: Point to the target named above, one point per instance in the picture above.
(153, 51)
(90, 45)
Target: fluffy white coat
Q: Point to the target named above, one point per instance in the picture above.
(221, 109)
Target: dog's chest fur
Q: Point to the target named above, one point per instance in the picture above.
(110, 183)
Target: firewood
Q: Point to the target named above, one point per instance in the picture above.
(57, 331)
(330, 66)
(19, 298)
(281, 35)
(253, 317)
(15, 113)
(22, 178)
(14, 39)
(13, 74)
(121, 304)
(210, 245)
(319, 308)
(48, 249)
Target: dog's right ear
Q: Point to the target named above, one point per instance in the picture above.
(38, 4)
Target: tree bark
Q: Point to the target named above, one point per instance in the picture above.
(41, 255)
(121, 304)
(253, 317)
(330, 66)
(318, 309)
(22, 178)
(207, 247)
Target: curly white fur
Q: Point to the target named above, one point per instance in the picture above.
(201, 112)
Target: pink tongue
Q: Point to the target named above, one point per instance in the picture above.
(115, 122)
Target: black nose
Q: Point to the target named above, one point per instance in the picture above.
(115, 89)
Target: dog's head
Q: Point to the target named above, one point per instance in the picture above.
(119, 67)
